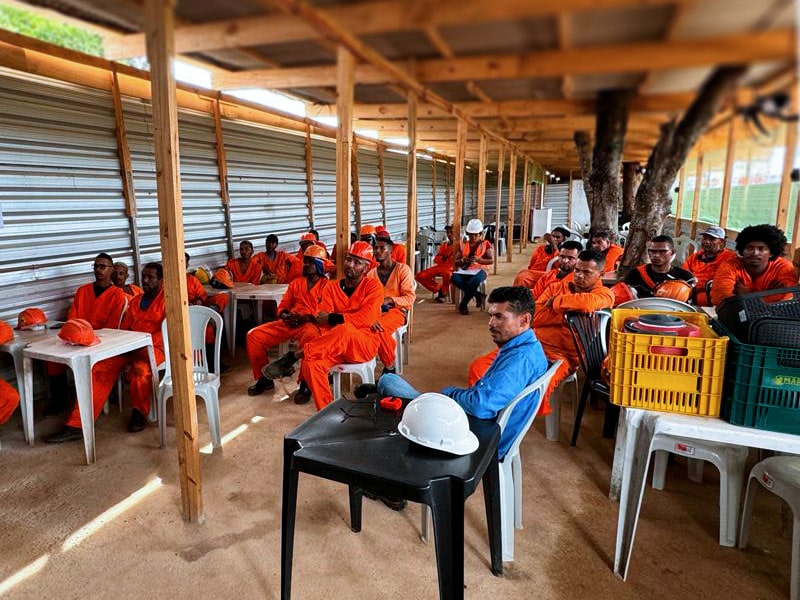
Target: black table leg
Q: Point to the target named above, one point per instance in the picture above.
(585, 394)
(355, 508)
(288, 514)
(448, 532)
(491, 499)
(610, 420)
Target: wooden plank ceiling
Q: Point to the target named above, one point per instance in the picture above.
(527, 70)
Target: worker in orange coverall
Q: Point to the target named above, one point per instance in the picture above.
(350, 306)
(145, 313)
(295, 270)
(246, 268)
(705, 263)
(273, 261)
(567, 258)
(398, 248)
(758, 268)
(602, 241)
(443, 267)
(397, 281)
(119, 277)
(541, 257)
(297, 314)
(9, 397)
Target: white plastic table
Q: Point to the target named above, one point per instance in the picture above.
(81, 359)
(267, 291)
(14, 347)
(632, 460)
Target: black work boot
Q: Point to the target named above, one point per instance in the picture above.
(283, 367)
(259, 387)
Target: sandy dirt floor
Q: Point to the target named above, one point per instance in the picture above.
(114, 529)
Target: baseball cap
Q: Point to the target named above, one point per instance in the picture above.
(714, 231)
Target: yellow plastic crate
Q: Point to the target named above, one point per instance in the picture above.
(689, 382)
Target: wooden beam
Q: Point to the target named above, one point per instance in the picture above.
(126, 174)
(698, 184)
(309, 179)
(730, 152)
(458, 203)
(679, 207)
(222, 168)
(365, 18)
(448, 213)
(588, 60)
(501, 164)
(676, 17)
(355, 189)
(345, 63)
(382, 184)
(411, 184)
(482, 164)
(512, 190)
(525, 200)
(159, 15)
(656, 103)
(786, 177)
(433, 191)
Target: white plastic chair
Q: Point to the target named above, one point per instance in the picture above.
(510, 467)
(684, 245)
(552, 422)
(781, 476)
(729, 459)
(401, 347)
(206, 381)
(365, 370)
(552, 263)
(455, 293)
(658, 303)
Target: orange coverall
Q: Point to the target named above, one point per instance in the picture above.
(705, 271)
(194, 290)
(613, 255)
(536, 267)
(399, 252)
(400, 288)
(780, 273)
(295, 269)
(105, 373)
(545, 280)
(350, 342)
(9, 400)
(443, 268)
(276, 265)
(252, 274)
(552, 330)
(298, 299)
(132, 290)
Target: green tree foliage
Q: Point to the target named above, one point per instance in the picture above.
(42, 28)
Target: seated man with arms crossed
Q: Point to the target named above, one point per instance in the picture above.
(350, 306)
(568, 256)
(541, 257)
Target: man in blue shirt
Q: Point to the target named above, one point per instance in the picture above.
(519, 362)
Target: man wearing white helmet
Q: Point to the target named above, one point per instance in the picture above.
(473, 258)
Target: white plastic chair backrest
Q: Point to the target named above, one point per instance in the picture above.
(552, 262)
(684, 245)
(122, 314)
(199, 316)
(626, 227)
(504, 415)
(665, 304)
(605, 319)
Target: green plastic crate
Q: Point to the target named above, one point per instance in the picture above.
(762, 386)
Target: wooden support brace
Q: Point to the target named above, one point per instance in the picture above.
(382, 183)
(433, 189)
(698, 183)
(482, 162)
(782, 217)
(345, 69)
(501, 165)
(458, 203)
(222, 167)
(512, 189)
(411, 183)
(728, 176)
(356, 189)
(309, 178)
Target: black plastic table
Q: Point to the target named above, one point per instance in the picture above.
(358, 444)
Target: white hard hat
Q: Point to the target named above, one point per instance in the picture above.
(474, 226)
(437, 421)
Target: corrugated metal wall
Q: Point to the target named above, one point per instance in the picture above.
(425, 193)
(324, 168)
(369, 188)
(395, 172)
(555, 198)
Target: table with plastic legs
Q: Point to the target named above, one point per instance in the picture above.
(267, 291)
(358, 444)
(632, 459)
(81, 359)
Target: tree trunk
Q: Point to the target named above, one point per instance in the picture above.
(630, 183)
(583, 146)
(653, 200)
(609, 139)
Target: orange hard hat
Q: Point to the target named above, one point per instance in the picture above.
(308, 237)
(9, 400)
(6, 332)
(222, 279)
(677, 289)
(380, 229)
(623, 293)
(31, 317)
(78, 332)
(368, 230)
(316, 252)
(362, 250)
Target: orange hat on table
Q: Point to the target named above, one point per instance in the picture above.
(9, 400)
(222, 279)
(78, 332)
(6, 332)
(677, 289)
(31, 317)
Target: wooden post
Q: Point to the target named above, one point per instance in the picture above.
(796, 229)
(458, 204)
(726, 182)
(447, 212)
(345, 77)
(512, 189)
(696, 204)
(786, 178)
(411, 187)
(309, 177)
(433, 189)
(525, 200)
(483, 159)
(356, 190)
(159, 25)
(501, 164)
(679, 207)
(382, 183)
(126, 173)
(222, 168)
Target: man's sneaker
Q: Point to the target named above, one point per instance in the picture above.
(138, 421)
(283, 367)
(259, 387)
(65, 434)
(303, 394)
(391, 370)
